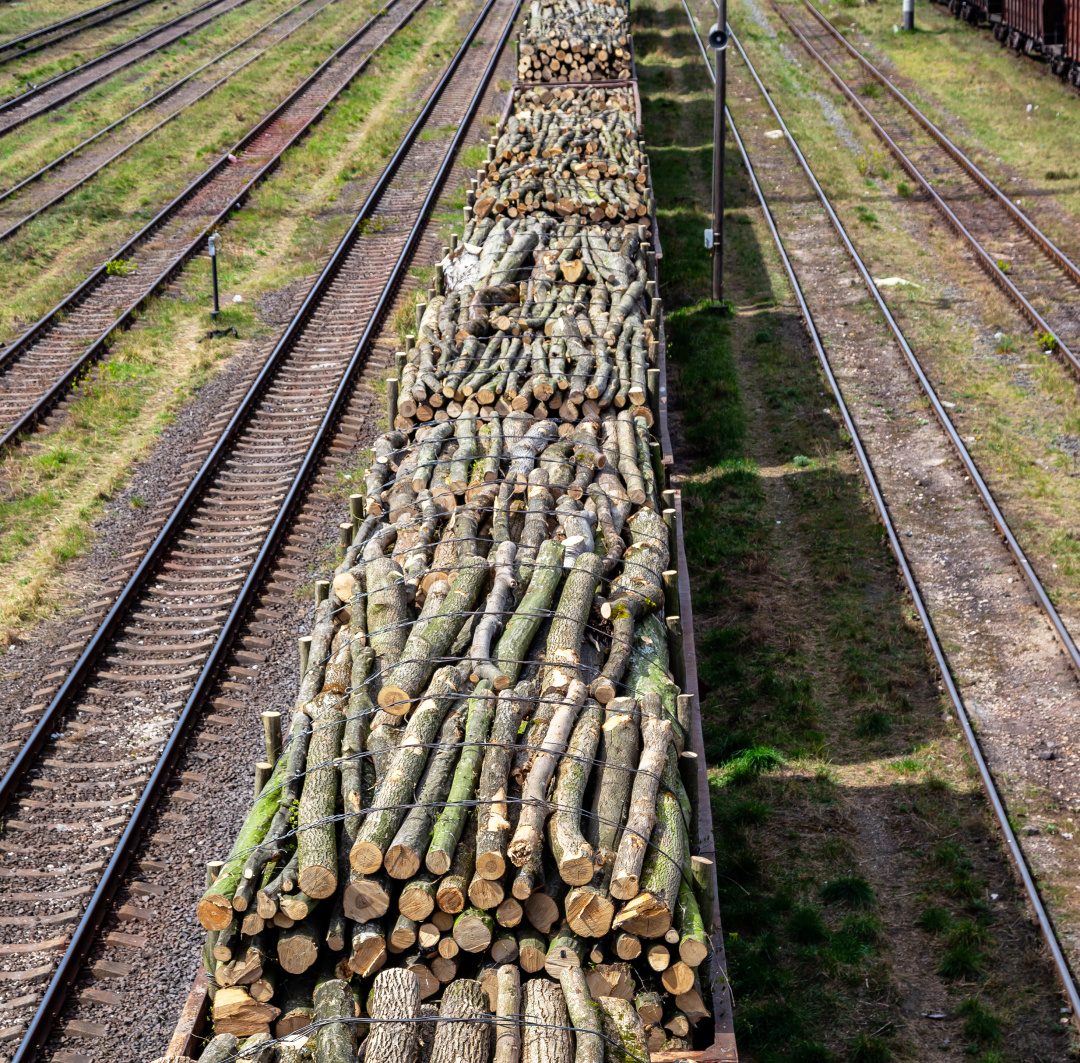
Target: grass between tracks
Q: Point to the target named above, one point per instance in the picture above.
(58, 485)
(52, 253)
(41, 140)
(857, 856)
(63, 56)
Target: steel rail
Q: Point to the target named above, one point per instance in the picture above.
(82, 939)
(1033, 581)
(986, 776)
(166, 92)
(987, 184)
(984, 258)
(25, 45)
(99, 347)
(36, 90)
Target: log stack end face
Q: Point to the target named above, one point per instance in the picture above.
(476, 842)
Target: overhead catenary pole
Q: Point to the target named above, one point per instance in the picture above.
(718, 42)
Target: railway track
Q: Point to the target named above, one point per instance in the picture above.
(55, 32)
(38, 368)
(1039, 277)
(74, 167)
(923, 536)
(40, 99)
(171, 628)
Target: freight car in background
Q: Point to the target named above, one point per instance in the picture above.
(1042, 29)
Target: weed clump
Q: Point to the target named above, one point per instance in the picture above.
(934, 920)
(852, 890)
(874, 725)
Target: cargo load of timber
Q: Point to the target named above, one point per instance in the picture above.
(576, 40)
(475, 841)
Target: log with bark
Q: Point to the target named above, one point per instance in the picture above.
(545, 1022)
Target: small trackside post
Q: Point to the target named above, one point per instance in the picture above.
(211, 248)
(909, 15)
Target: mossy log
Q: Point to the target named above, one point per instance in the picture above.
(451, 820)
(624, 1030)
(532, 950)
(511, 650)
(453, 888)
(417, 898)
(215, 910)
(335, 1041)
(565, 949)
(424, 652)
(406, 851)
(406, 764)
(650, 913)
(474, 930)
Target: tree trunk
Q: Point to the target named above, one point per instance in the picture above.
(466, 1035)
(643, 809)
(584, 1016)
(387, 610)
(493, 823)
(513, 646)
(545, 1021)
(316, 842)
(563, 661)
(508, 1016)
(534, 807)
(623, 1028)
(649, 914)
(573, 854)
(423, 652)
(451, 820)
(335, 1042)
(406, 764)
(405, 853)
(395, 1005)
(453, 889)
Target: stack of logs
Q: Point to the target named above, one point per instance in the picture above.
(480, 800)
(576, 40)
(563, 153)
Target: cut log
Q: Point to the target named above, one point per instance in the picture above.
(485, 893)
(444, 968)
(565, 950)
(573, 854)
(504, 949)
(474, 930)
(611, 980)
(544, 908)
(405, 853)
(335, 1041)
(316, 842)
(650, 1006)
(511, 650)
(236, 1013)
(509, 913)
(493, 822)
(297, 1005)
(463, 1034)
(429, 984)
(220, 1048)
(507, 1012)
(451, 820)
(677, 1024)
(452, 891)
(658, 957)
(584, 1016)
(406, 764)
(532, 950)
(642, 815)
(627, 946)
(417, 899)
(624, 1030)
(692, 1002)
(428, 935)
(368, 948)
(395, 1005)
(563, 657)
(215, 910)
(545, 1021)
(387, 611)
(534, 807)
(678, 978)
(367, 897)
(650, 913)
(298, 946)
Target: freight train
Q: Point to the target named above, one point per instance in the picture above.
(1042, 29)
